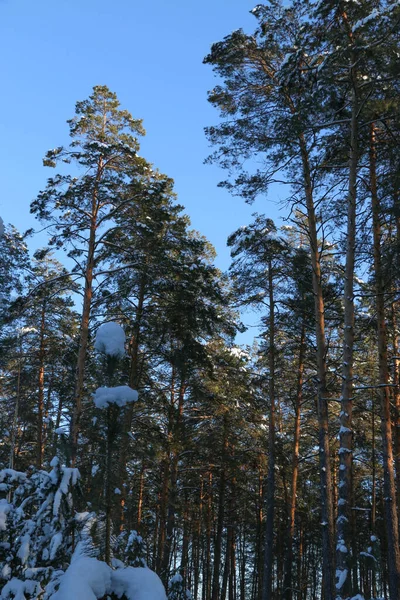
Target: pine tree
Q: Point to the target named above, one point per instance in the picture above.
(81, 210)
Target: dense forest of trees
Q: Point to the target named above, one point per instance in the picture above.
(135, 431)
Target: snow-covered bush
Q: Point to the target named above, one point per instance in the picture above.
(135, 550)
(50, 551)
(177, 590)
(38, 527)
(90, 579)
(47, 550)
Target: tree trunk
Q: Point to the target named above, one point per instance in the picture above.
(221, 514)
(288, 583)
(270, 494)
(140, 498)
(134, 377)
(176, 428)
(14, 434)
(391, 519)
(112, 412)
(208, 567)
(40, 441)
(343, 544)
(85, 319)
(323, 421)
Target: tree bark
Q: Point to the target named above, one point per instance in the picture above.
(85, 318)
(270, 494)
(288, 583)
(391, 518)
(40, 441)
(323, 420)
(176, 428)
(343, 529)
(134, 377)
(221, 513)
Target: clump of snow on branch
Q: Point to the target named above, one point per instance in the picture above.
(15, 588)
(120, 395)
(5, 508)
(110, 340)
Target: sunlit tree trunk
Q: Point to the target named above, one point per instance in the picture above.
(85, 317)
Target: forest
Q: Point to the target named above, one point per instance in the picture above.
(145, 452)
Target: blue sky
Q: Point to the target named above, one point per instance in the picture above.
(150, 54)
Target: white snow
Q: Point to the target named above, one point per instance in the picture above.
(239, 353)
(4, 510)
(55, 543)
(23, 551)
(85, 579)
(120, 395)
(89, 579)
(12, 476)
(110, 340)
(138, 583)
(60, 431)
(70, 477)
(17, 589)
(341, 576)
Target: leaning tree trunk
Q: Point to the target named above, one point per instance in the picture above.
(391, 518)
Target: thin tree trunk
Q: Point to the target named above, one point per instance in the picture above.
(40, 441)
(227, 565)
(140, 498)
(221, 514)
(14, 434)
(111, 424)
(208, 569)
(270, 494)
(162, 512)
(134, 377)
(172, 495)
(288, 583)
(373, 498)
(185, 542)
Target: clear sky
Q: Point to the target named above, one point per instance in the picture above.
(150, 53)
